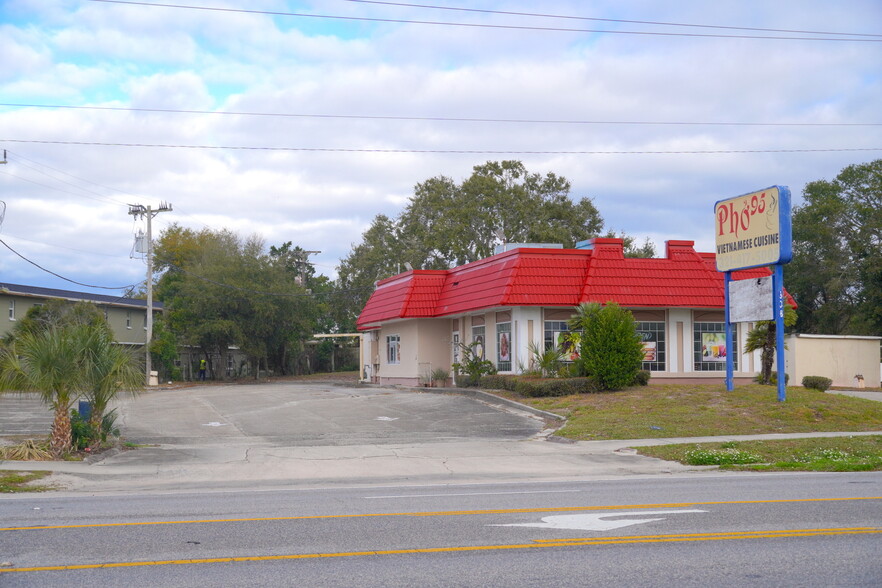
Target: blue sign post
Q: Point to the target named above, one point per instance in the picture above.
(754, 230)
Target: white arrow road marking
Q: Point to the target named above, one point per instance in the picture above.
(385, 418)
(595, 522)
(215, 424)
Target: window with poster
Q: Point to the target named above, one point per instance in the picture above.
(478, 342)
(652, 333)
(503, 347)
(559, 336)
(709, 347)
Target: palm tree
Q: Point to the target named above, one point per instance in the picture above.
(110, 369)
(66, 357)
(763, 338)
(48, 362)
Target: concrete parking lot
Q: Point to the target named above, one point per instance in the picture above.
(317, 434)
(309, 415)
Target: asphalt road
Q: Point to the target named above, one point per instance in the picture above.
(712, 530)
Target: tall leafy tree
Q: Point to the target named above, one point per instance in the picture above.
(446, 224)
(221, 290)
(836, 272)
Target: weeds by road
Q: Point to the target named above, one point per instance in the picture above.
(22, 481)
(831, 454)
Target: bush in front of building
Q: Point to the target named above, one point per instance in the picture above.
(642, 377)
(819, 383)
(610, 350)
(473, 366)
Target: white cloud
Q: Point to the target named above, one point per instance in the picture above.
(130, 56)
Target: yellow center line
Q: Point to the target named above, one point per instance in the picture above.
(637, 539)
(445, 513)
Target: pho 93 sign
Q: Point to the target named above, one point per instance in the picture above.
(753, 230)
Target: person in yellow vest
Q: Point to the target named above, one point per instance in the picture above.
(202, 366)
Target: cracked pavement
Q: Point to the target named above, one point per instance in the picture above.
(319, 434)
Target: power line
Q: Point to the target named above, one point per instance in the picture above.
(447, 119)
(441, 151)
(596, 19)
(40, 267)
(486, 26)
(22, 157)
(5, 173)
(63, 247)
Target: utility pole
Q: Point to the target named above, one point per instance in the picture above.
(302, 263)
(141, 211)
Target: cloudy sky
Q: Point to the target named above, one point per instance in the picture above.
(301, 121)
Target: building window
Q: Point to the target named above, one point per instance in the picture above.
(12, 310)
(558, 336)
(503, 347)
(709, 347)
(128, 319)
(478, 342)
(393, 349)
(653, 336)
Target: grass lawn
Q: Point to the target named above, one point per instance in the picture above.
(21, 481)
(831, 454)
(668, 410)
(671, 410)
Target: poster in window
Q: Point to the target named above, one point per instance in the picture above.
(504, 347)
(478, 346)
(713, 347)
(650, 351)
(568, 342)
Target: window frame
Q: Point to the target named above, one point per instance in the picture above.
(393, 349)
(503, 329)
(717, 328)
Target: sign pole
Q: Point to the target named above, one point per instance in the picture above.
(778, 305)
(751, 231)
(730, 367)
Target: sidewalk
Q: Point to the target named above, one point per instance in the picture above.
(244, 466)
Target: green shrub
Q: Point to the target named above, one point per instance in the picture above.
(529, 388)
(611, 351)
(474, 366)
(817, 383)
(642, 377)
(440, 376)
(82, 433)
(547, 387)
(498, 382)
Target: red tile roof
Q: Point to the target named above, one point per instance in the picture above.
(554, 277)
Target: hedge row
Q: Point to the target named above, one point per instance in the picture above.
(542, 387)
